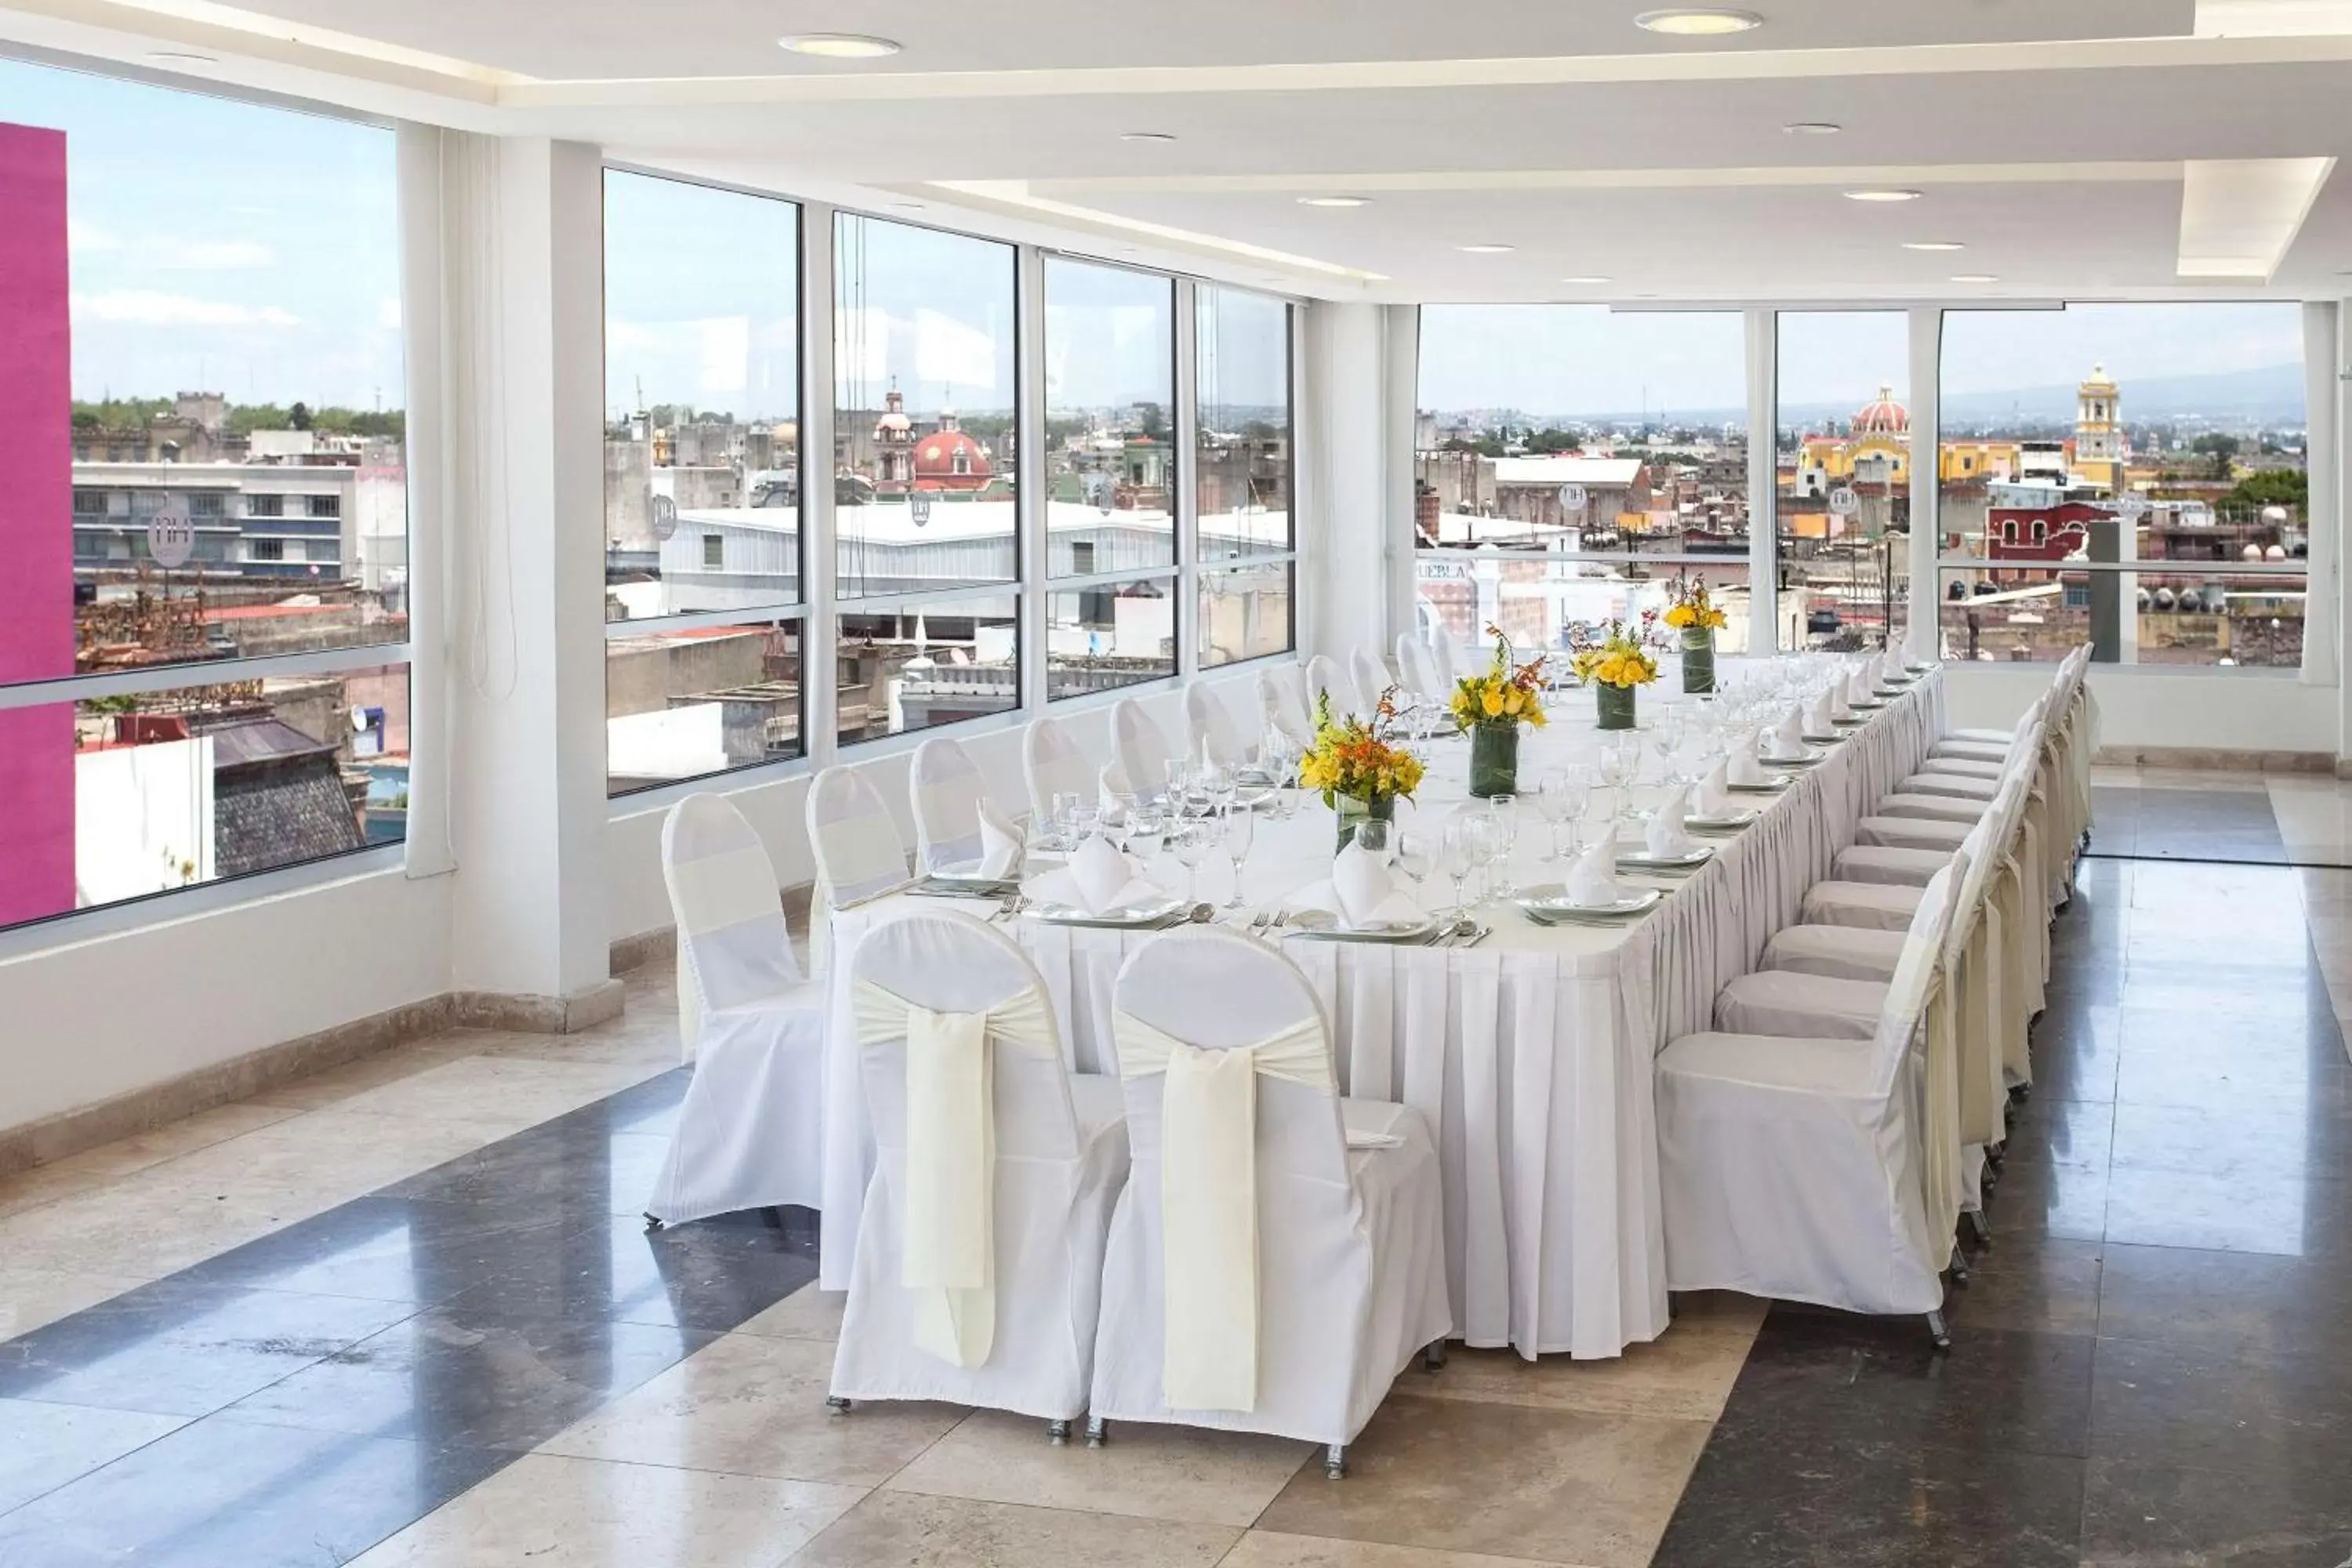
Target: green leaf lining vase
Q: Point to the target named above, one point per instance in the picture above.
(1354, 812)
(1616, 704)
(1494, 760)
(1698, 659)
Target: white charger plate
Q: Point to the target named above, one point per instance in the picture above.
(1325, 926)
(1548, 905)
(1143, 914)
(1643, 860)
(1737, 819)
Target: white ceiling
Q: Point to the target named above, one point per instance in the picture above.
(2049, 135)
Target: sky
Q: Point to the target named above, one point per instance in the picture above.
(221, 246)
(1569, 359)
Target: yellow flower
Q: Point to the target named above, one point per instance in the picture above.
(1680, 615)
(1492, 702)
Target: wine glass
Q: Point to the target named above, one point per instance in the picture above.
(1240, 830)
(1617, 762)
(1065, 809)
(1557, 801)
(1414, 853)
(1457, 857)
(1147, 828)
(1216, 785)
(1502, 813)
(1191, 839)
(1373, 836)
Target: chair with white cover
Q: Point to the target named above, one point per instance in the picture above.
(1325, 677)
(1279, 1255)
(980, 1246)
(750, 1132)
(1417, 670)
(1371, 674)
(1053, 764)
(1139, 746)
(1807, 1170)
(1283, 703)
(946, 790)
(1444, 659)
(1209, 728)
(859, 854)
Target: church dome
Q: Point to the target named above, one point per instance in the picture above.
(948, 456)
(1882, 417)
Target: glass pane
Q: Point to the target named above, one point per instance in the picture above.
(1245, 613)
(228, 475)
(1845, 475)
(923, 420)
(123, 796)
(1460, 592)
(1111, 400)
(2170, 433)
(692, 700)
(1242, 396)
(1113, 633)
(702, 398)
(921, 666)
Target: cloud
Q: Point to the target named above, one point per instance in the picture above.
(217, 256)
(81, 235)
(150, 308)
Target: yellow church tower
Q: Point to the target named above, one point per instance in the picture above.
(2098, 432)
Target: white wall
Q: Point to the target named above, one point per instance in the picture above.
(2172, 709)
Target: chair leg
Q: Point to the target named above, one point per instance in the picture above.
(1938, 1332)
(1979, 1228)
(1959, 1268)
(652, 1223)
(1098, 1431)
(1433, 1355)
(1335, 1461)
(836, 1404)
(1057, 1433)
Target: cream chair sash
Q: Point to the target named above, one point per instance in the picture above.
(1208, 1198)
(709, 895)
(948, 1259)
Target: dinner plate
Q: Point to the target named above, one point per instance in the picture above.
(1726, 824)
(1323, 925)
(1871, 706)
(1643, 860)
(1144, 914)
(1548, 905)
(1849, 721)
(1773, 785)
(969, 875)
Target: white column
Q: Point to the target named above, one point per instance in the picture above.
(2323, 514)
(1029, 408)
(523, 218)
(820, 677)
(1922, 639)
(1342, 541)
(1402, 395)
(1185, 422)
(1763, 484)
(423, 348)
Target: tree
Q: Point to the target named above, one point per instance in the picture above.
(1155, 421)
(2289, 488)
(299, 417)
(1552, 440)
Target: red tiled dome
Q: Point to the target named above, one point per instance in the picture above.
(936, 457)
(1883, 417)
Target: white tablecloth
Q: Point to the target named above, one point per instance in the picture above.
(1530, 1054)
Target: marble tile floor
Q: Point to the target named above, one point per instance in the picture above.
(403, 1313)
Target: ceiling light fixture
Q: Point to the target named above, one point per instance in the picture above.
(1334, 200)
(1933, 245)
(1876, 195)
(1594, 278)
(1699, 22)
(1485, 249)
(1145, 136)
(1811, 128)
(839, 46)
(183, 58)
(1974, 278)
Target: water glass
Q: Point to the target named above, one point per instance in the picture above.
(1193, 838)
(1414, 853)
(1373, 836)
(1457, 859)
(1240, 830)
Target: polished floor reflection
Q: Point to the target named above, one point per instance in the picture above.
(404, 1313)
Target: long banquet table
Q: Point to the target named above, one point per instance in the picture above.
(1529, 1053)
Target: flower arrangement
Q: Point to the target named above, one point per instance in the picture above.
(1359, 758)
(1616, 652)
(1506, 694)
(1692, 608)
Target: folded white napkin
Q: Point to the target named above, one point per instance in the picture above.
(1857, 686)
(1664, 834)
(1710, 799)
(1821, 715)
(1838, 708)
(1786, 740)
(1589, 881)
(1886, 669)
(1098, 879)
(1113, 781)
(1000, 843)
(1742, 768)
(1360, 891)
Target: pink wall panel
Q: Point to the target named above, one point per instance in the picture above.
(36, 628)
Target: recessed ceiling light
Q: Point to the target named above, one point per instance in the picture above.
(1145, 136)
(1700, 22)
(839, 46)
(1974, 278)
(1333, 201)
(908, 206)
(1933, 245)
(1587, 278)
(1485, 249)
(184, 57)
(1882, 195)
(1811, 128)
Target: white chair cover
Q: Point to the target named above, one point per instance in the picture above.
(1371, 675)
(980, 1244)
(750, 1132)
(946, 788)
(1418, 671)
(1053, 765)
(1324, 676)
(1279, 1254)
(1209, 730)
(857, 848)
(1443, 658)
(1797, 1168)
(1141, 749)
(1282, 702)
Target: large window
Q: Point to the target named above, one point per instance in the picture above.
(2076, 443)
(1110, 476)
(1569, 461)
(1244, 431)
(703, 601)
(209, 510)
(1842, 427)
